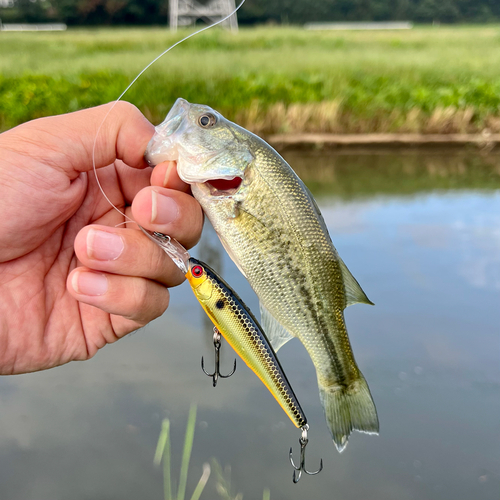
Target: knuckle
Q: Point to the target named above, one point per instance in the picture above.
(140, 295)
(127, 108)
(150, 300)
(156, 260)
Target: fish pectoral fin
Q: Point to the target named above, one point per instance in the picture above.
(277, 334)
(353, 292)
(231, 254)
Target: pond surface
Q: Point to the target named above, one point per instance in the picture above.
(421, 233)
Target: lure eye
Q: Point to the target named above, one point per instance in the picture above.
(207, 120)
(197, 271)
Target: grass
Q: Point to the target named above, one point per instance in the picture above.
(163, 457)
(429, 79)
(224, 487)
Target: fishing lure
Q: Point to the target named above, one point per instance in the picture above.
(234, 320)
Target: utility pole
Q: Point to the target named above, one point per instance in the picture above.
(187, 12)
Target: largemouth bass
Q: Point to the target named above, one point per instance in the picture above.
(270, 225)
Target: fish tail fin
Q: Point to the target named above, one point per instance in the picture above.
(348, 408)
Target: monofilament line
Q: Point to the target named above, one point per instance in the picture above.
(132, 83)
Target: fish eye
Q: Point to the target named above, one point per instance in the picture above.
(197, 271)
(207, 120)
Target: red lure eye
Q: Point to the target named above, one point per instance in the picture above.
(197, 271)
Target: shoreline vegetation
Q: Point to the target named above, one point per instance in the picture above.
(272, 80)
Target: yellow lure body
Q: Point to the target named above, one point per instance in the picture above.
(239, 327)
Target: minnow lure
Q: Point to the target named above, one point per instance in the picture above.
(234, 320)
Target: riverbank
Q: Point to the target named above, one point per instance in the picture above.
(486, 142)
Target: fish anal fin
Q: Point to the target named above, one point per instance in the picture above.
(353, 292)
(277, 334)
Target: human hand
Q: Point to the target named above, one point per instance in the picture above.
(68, 288)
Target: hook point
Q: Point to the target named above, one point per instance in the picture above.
(302, 467)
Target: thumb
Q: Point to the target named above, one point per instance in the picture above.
(70, 142)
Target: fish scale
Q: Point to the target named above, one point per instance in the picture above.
(272, 228)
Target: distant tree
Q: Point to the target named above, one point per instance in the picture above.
(426, 11)
(258, 11)
(67, 11)
(31, 11)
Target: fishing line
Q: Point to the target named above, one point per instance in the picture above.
(132, 83)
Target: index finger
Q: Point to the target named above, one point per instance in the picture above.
(120, 132)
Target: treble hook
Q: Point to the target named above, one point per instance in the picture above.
(302, 468)
(216, 374)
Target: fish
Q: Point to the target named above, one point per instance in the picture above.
(235, 321)
(271, 227)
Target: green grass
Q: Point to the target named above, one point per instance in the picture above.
(429, 79)
(163, 456)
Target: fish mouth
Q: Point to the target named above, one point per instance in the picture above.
(223, 187)
(163, 145)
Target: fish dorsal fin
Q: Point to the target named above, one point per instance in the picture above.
(276, 333)
(353, 292)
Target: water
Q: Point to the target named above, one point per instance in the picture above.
(421, 233)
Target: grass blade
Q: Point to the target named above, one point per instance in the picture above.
(162, 441)
(162, 454)
(186, 454)
(202, 482)
(167, 482)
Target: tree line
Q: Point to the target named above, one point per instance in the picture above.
(146, 12)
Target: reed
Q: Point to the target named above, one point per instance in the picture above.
(223, 483)
(163, 456)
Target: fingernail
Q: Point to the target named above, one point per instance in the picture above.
(163, 209)
(102, 245)
(88, 283)
(167, 172)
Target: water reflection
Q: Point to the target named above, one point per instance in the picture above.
(430, 260)
(396, 172)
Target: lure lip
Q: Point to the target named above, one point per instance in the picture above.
(171, 247)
